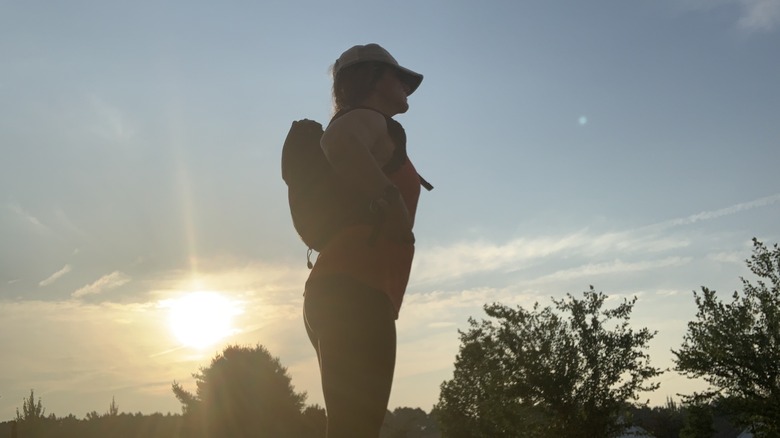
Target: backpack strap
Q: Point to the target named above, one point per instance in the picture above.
(428, 186)
(397, 133)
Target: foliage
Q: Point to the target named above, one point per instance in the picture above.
(32, 411)
(243, 392)
(660, 421)
(535, 373)
(315, 422)
(113, 408)
(735, 346)
(698, 422)
(120, 425)
(405, 422)
(402, 422)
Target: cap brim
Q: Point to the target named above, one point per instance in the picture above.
(410, 78)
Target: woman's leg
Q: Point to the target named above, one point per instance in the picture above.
(352, 327)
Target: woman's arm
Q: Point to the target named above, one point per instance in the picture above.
(348, 144)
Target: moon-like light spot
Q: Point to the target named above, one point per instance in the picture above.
(583, 120)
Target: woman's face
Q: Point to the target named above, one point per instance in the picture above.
(393, 91)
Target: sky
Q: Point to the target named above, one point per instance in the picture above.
(632, 146)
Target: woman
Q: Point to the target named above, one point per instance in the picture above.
(355, 289)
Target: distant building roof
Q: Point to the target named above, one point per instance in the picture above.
(746, 434)
(635, 432)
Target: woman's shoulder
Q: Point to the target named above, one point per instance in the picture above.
(359, 118)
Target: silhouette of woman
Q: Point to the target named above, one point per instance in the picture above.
(355, 289)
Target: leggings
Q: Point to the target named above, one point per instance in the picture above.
(352, 329)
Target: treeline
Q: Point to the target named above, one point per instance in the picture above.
(668, 421)
(674, 420)
(119, 425)
(403, 422)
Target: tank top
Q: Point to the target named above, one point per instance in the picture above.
(384, 265)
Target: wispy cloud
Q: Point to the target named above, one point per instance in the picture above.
(472, 257)
(754, 15)
(468, 258)
(617, 266)
(714, 214)
(734, 257)
(66, 224)
(110, 123)
(55, 276)
(106, 282)
(26, 216)
(759, 15)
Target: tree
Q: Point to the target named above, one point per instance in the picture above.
(405, 422)
(698, 421)
(735, 346)
(32, 411)
(244, 392)
(32, 421)
(660, 421)
(113, 408)
(535, 373)
(315, 422)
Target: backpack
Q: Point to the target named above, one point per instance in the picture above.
(320, 202)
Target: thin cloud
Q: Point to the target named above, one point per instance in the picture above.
(468, 258)
(473, 257)
(617, 266)
(26, 216)
(480, 256)
(110, 123)
(65, 223)
(714, 214)
(106, 282)
(442, 324)
(759, 15)
(55, 276)
(734, 257)
(754, 15)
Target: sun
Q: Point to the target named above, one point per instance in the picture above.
(201, 319)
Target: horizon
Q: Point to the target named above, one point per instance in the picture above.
(144, 223)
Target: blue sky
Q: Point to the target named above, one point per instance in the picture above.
(628, 145)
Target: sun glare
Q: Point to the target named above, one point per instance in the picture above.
(201, 319)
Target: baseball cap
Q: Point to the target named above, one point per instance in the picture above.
(375, 52)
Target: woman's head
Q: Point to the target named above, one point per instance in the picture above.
(368, 72)
(353, 84)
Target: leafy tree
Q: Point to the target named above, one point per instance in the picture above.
(32, 421)
(735, 346)
(315, 422)
(32, 411)
(534, 373)
(660, 421)
(244, 392)
(698, 422)
(113, 408)
(405, 422)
